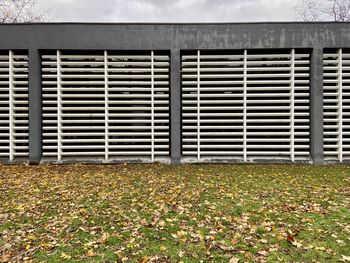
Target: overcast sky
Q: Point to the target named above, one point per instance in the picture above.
(169, 10)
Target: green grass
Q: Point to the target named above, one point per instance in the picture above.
(189, 213)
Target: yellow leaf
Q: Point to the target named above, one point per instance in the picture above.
(65, 256)
(162, 248)
(280, 237)
(145, 259)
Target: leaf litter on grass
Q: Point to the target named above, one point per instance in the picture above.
(163, 213)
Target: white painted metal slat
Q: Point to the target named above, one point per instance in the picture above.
(106, 97)
(118, 112)
(336, 88)
(212, 105)
(13, 106)
(250, 104)
(245, 115)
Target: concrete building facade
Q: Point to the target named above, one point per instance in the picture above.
(176, 93)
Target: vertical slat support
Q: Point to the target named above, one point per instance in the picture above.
(245, 105)
(35, 107)
(106, 105)
(316, 106)
(152, 105)
(175, 106)
(11, 107)
(340, 105)
(59, 108)
(292, 108)
(198, 106)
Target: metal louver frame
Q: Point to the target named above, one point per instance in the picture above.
(105, 106)
(245, 105)
(336, 94)
(13, 105)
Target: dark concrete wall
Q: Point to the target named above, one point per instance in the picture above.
(175, 38)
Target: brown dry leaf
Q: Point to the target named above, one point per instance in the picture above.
(145, 259)
(90, 253)
(103, 238)
(226, 248)
(5, 257)
(263, 253)
(4, 216)
(263, 241)
(234, 241)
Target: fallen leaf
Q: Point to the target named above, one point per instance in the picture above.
(290, 239)
(280, 237)
(65, 256)
(181, 253)
(263, 253)
(4, 216)
(103, 238)
(5, 257)
(340, 242)
(234, 260)
(345, 258)
(145, 259)
(226, 248)
(90, 253)
(264, 241)
(234, 241)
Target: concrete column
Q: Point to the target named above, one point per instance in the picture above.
(35, 107)
(316, 106)
(175, 106)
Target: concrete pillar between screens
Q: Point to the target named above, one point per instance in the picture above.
(175, 106)
(316, 106)
(35, 107)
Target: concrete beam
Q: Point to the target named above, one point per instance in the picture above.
(102, 36)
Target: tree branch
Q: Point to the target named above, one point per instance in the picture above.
(16, 11)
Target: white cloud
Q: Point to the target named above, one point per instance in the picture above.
(169, 10)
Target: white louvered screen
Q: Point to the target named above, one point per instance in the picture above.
(13, 105)
(245, 105)
(336, 99)
(106, 106)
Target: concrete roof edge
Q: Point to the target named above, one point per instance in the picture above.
(175, 23)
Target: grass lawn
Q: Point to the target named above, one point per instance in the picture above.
(160, 213)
